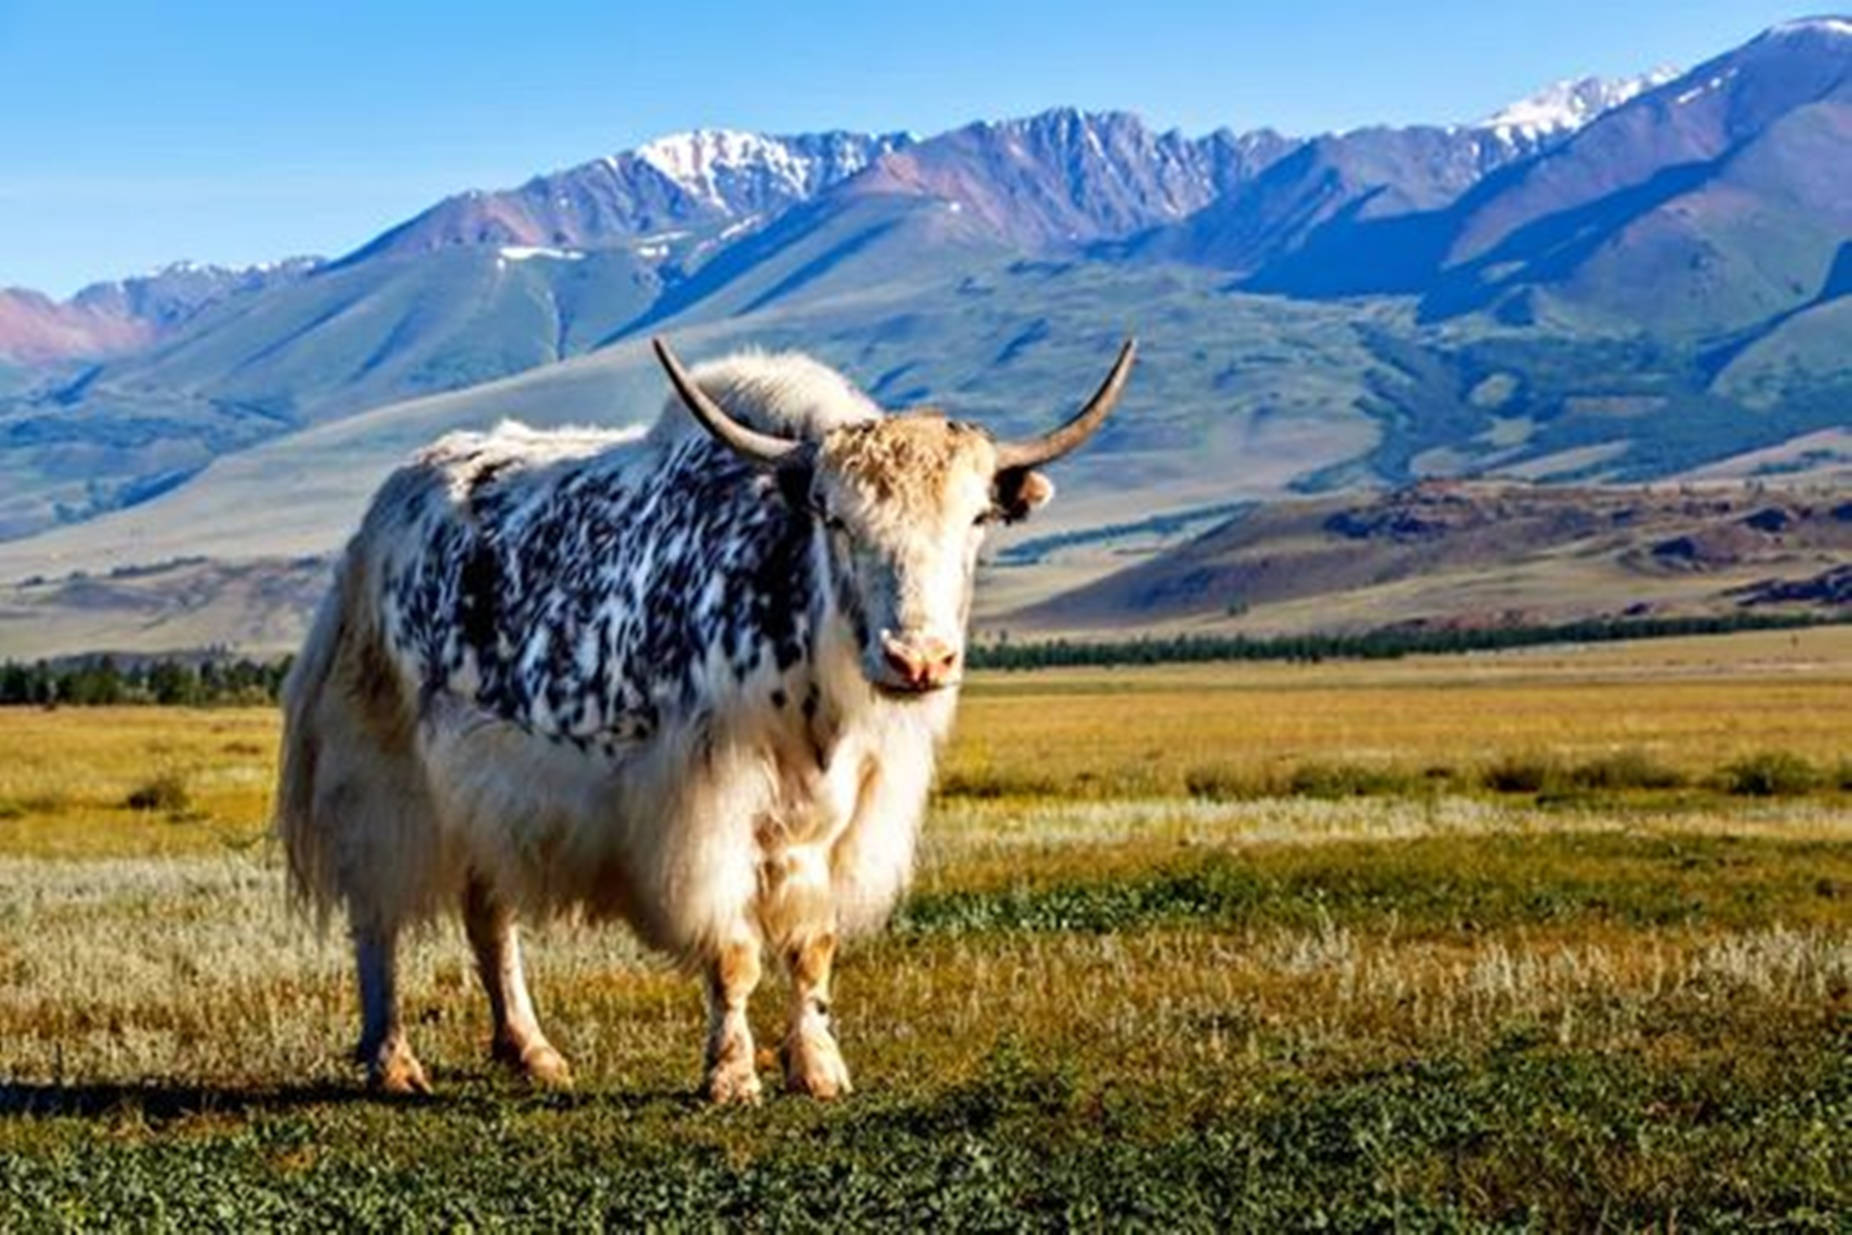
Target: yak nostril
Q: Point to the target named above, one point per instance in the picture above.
(919, 662)
(938, 658)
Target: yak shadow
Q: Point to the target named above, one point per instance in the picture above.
(162, 1103)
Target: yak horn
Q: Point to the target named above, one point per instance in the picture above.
(1050, 446)
(749, 444)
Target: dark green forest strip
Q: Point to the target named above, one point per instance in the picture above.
(1383, 644)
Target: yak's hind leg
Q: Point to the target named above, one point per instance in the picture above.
(732, 973)
(518, 1040)
(391, 1066)
(813, 1064)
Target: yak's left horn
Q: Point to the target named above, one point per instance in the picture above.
(1053, 445)
(750, 444)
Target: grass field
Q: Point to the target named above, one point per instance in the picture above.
(1210, 947)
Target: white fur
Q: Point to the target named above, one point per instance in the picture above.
(390, 804)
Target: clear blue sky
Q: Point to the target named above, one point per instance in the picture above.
(140, 131)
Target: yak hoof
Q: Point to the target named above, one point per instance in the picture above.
(814, 1067)
(733, 1086)
(543, 1066)
(395, 1070)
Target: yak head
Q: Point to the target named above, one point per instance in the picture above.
(902, 503)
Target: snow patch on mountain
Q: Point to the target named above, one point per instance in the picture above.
(1563, 107)
(695, 159)
(1838, 27)
(528, 252)
(703, 160)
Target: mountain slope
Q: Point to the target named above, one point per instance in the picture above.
(1703, 206)
(126, 315)
(1067, 177)
(252, 367)
(1610, 280)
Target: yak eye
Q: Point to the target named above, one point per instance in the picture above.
(988, 515)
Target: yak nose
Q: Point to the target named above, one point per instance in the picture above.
(922, 662)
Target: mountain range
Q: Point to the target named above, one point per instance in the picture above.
(1610, 280)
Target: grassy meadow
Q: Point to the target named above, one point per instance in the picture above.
(1551, 939)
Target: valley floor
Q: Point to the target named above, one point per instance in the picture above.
(1557, 939)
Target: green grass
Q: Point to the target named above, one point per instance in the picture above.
(1440, 886)
(1524, 1133)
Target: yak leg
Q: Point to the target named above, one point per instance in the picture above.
(813, 1064)
(732, 1072)
(391, 1066)
(518, 1041)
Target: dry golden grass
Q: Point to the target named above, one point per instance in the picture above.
(66, 777)
(1692, 704)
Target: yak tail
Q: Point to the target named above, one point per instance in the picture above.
(307, 842)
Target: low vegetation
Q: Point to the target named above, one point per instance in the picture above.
(1772, 773)
(1262, 947)
(166, 791)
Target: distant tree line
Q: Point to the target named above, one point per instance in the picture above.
(98, 680)
(1387, 643)
(101, 680)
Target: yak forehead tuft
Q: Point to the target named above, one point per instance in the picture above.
(914, 460)
(784, 393)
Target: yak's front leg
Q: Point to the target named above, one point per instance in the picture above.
(732, 1073)
(813, 1064)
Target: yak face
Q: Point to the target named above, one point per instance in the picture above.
(902, 502)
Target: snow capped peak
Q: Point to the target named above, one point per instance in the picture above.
(710, 163)
(1565, 106)
(1837, 27)
(697, 158)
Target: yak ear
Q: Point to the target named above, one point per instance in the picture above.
(1019, 490)
(794, 480)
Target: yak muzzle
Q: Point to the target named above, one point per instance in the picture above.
(918, 663)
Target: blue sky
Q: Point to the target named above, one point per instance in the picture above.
(140, 131)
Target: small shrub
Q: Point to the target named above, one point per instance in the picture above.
(1214, 783)
(165, 792)
(10, 809)
(1772, 774)
(1522, 774)
(1842, 775)
(1628, 769)
(1347, 780)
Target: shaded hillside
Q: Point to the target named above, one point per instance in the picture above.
(1472, 553)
